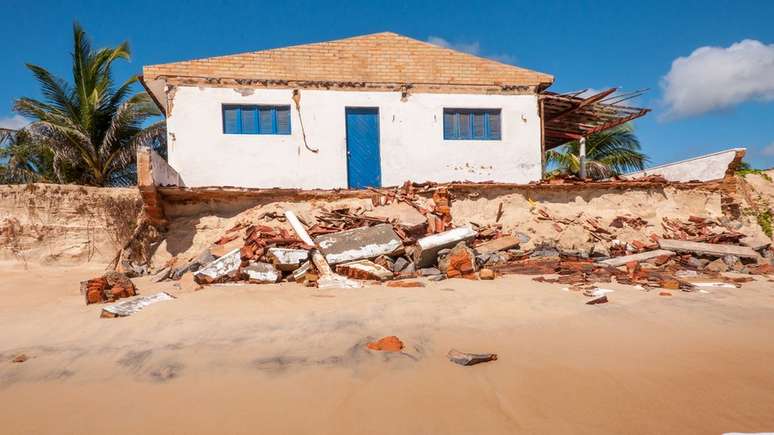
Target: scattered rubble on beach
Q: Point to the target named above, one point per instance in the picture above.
(350, 245)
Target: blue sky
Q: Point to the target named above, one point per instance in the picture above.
(718, 97)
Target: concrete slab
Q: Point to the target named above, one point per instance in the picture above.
(359, 244)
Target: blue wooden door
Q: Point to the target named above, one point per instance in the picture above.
(364, 167)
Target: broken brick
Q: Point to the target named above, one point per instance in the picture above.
(364, 269)
(386, 344)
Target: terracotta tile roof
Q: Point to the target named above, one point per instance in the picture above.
(376, 58)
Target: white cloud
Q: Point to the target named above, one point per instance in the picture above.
(768, 150)
(470, 48)
(473, 48)
(14, 122)
(716, 78)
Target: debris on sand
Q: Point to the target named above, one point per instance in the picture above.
(422, 241)
(327, 279)
(486, 274)
(460, 262)
(20, 358)
(712, 249)
(221, 269)
(405, 284)
(386, 344)
(260, 273)
(107, 288)
(598, 300)
(127, 308)
(469, 359)
(363, 243)
(427, 247)
(365, 270)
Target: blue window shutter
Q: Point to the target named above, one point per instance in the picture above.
(283, 120)
(466, 125)
(449, 125)
(494, 125)
(249, 119)
(265, 122)
(230, 120)
(479, 127)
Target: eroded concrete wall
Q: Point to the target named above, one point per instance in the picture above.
(709, 167)
(411, 136)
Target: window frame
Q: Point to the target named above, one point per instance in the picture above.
(457, 135)
(257, 108)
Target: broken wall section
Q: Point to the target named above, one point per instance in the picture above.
(65, 224)
(560, 215)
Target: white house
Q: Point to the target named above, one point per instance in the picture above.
(373, 110)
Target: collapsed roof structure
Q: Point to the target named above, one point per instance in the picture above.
(572, 116)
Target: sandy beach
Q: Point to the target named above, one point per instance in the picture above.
(289, 359)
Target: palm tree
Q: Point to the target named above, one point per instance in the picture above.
(23, 160)
(91, 127)
(610, 152)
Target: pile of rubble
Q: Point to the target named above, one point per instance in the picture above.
(344, 246)
(107, 288)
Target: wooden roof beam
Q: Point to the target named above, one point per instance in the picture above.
(585, 102)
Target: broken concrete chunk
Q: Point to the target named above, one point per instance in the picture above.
(127, 308)
(643, 256)
(162, 274)
(429, 271)
(400, 264)
(717, 265)
(469, 359)
(261, 273)
(298, 274)
(756, 243)
(402, 214)
(545, 250)
(523, 238)
(205, 257)
(711, 249)
(598, 300)
(427, 247)
(359, 244)
(219, 269)
(496, 245)
(492, 259)
(364, 269)
(386, 262)
(287, 259)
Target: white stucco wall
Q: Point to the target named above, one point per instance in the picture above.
(411, 139)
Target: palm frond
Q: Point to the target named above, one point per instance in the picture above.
(610, 152)
(89, 128)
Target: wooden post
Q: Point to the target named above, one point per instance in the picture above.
(542, 139)
(582, 158)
